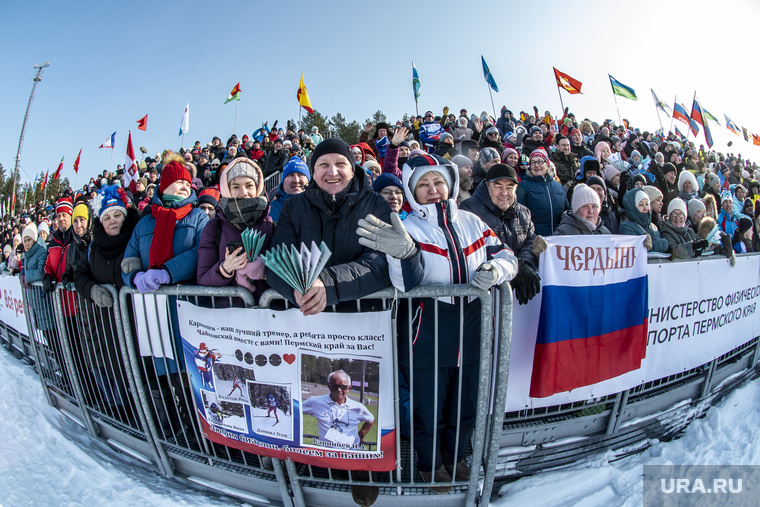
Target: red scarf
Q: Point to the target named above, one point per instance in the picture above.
(161, 247)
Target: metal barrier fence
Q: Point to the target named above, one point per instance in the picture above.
(271, 182)
(119, 373)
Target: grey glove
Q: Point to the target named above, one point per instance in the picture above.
(130, 264)
(484, 277)
(648, 242)
(101, 297)
(539, 245)
(388, 239)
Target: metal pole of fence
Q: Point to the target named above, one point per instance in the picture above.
(504, 317)
(623, 403)
(282, 482)
(613, 414)
(486, 333)
(71, 369)
(708, 379)
(25, 298)
(295, 484)
(127, 340)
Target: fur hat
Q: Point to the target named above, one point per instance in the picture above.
(582, 195)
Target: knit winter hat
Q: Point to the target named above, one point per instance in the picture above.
(639, 177)
(668, 167)
(296, 165)
(81, 210)
(488, 154)
(43, 227)
(712, 179)
(30, 231)
(745, 224)
(653, 193)
(173, 171)
(331, 145)
(109, 198)
(687, 176)
(501, 171)
(424, 164)
(694, 206)
(444, 137)
(507, 152)
(461, 161)
(208, 196)
(540, 153)
(610, 171)
(582, 195)
(386, 180)
(726, 196)
(596, 180)
(677, 204)
(64, 205)
(242, 167)
(639, 196)
(494, 130)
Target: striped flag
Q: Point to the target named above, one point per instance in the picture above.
(619, 88)
(730, 125)
(415, 82)
(489, 77)
(709, 116)
(746, 136)
(110, 142)
(680, 113)
(185, 125)
(580, 345)
(234, 94)
(130, 166)
(698, 115)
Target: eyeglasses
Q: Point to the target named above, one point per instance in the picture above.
(390, 193)
(339, 386)
(537, 161)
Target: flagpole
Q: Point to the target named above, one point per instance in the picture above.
(657, 110)
(182, 147)
(110, 162)
(675, 101)
(490, 94)
(559, 92)
(234, 125)
(614, 96)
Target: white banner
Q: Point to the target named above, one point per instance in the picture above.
(698, 311)
(315, 389)
(12, 307)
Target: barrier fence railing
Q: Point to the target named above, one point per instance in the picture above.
(120, 372)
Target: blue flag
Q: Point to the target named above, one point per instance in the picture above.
(415, 82)
(489, 77)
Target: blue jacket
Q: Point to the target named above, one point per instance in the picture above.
(546, 201)
(34, 263)
(278, 200)
(727, 222)
(639, 224)
(187, 236)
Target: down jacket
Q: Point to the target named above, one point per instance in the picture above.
(639, 224)
(546, 200)
(353, 271)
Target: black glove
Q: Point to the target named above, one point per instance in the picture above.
(728, 249)
(567, 109)
(526, 283)
(698, 246)
(48, 284)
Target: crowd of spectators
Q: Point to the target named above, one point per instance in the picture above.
(433, 200)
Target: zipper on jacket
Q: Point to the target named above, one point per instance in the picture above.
(551, 206)
(455, 247)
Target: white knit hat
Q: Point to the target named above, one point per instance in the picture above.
(582, 195)
(677, 204)
(640, 196)
(30, 231)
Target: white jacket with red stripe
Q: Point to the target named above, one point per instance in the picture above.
(453, 244)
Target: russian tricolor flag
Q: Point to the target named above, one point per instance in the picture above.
(593, 321)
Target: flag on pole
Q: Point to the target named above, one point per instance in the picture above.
(746, 137)
(110, 142)
(730, 125)
(185, 125)
(693, 126)
(142, 123)
(680, 134)
(57, 173)
(680, 113)
(619, 88)
(489, 77)
(415, 82)
(709, 116)
(755, 140)
(76, 162)
(660, 104)
(569, 84)
(44, 182)
(130, 165)
(303, 96)
(234, 94)
(698, 115)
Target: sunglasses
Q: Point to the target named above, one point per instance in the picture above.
(341, 387)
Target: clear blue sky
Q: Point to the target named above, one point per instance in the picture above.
(114, 62)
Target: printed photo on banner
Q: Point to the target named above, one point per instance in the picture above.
(339, 400)
(313, 389)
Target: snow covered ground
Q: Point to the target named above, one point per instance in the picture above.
(48, 460)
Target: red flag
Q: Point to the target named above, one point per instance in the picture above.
(755, 140)
(13, 205)
(130, 167)
(571, 85)
(57, 173)
(44, 183)
(142, 123)
(76, 162)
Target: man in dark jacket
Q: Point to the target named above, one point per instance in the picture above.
(276, 159)
(495, 202)
(329, 210)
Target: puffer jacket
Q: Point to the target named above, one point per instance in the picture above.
(546, 200)
(512, 226)
(55, 266)
(39, 300)
(639, 224)
(453, 244)
(680, 239)
(353, 270)
(187, 236)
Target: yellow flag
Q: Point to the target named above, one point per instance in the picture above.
(303, 97)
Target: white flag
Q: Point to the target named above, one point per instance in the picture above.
(185, 125)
